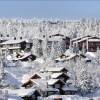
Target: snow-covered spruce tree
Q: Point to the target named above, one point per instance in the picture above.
(2, 73)
(84, 78)
(45, 46)
(52, 53)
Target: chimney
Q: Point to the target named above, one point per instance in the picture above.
(21, 38)
(44, 36)
(14, 38)
(1, 35)
(7, 35)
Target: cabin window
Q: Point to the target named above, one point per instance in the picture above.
(62, 78)
(57, 86)
(50, 93)
(28, 45)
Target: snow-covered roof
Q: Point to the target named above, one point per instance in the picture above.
(25, 92)
(40, 60)
(70, 87)
(68, 53)
(60, 59)
(94, 40)
(53, 69)
(69, 97)
(40, 82)
(25, 78)
(55, 75)
(6, 38)
(23, 56)
(11, 48)
(90, 39)
(43, 85)
(22, 92)
(62, 35)
(55, 38)
(52, 89)
(82, 37)
(53, 81)
(14, 41)
(90, 55)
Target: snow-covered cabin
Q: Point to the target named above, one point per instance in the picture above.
(59, 38)
(41, 85)
(25, 56)
(89, 43)
(15, 45)
(29, 94)
(70, 55)
(25, 94)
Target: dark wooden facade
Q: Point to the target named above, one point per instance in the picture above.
(89, 43)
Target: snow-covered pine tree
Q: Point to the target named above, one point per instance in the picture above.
(84, 78)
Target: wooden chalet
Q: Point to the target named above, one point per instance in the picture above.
(69, 55)
(59, 38)
(41, 85)
(15, 45)
(89, 43)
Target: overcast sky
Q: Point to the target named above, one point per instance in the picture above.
(64, 9)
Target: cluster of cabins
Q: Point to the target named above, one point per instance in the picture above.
(21, 48)
(53, 80)
(49, 81)
(13, 44)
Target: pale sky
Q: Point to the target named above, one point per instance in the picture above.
(64, 9)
